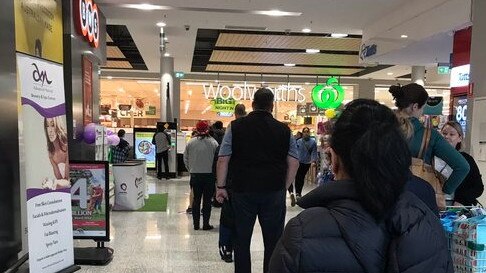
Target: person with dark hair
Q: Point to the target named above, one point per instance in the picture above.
(307, 148)
(364, 221)
(240, 110)
(262, 158)
(472, 187)
(162, 143)
(410, 100)
(198, 158)
(120, 151)
(217, 131)
(57, 148)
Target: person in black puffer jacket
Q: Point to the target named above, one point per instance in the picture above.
(364, 221)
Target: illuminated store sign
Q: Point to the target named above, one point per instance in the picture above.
(328, 96)
(460, 76)
(245, 92)
(222, 105)
(87, 20)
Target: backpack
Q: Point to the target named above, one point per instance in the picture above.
(427, 172)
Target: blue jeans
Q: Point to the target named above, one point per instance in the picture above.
(270, 208)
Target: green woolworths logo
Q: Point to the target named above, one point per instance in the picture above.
(328, 96)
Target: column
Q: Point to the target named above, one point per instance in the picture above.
(476, 114)
(418, 75)
(175, 102)
(166, 88)
(364, 90)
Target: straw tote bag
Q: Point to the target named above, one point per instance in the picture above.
(427, 172)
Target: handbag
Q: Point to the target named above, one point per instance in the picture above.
(427, 172)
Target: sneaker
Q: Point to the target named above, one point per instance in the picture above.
(226, 254)
(207, 227)
(189, 210)
(292, 200)
(228, 257)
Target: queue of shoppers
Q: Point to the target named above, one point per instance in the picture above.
(372, 214)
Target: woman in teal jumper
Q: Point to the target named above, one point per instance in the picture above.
(410, 100)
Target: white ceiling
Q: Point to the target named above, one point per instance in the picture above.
(322, 16)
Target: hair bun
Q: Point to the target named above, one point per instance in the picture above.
(396, 91)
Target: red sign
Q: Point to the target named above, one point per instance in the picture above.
(87, 91)
(87, 20)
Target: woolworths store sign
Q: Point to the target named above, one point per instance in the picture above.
(245, 92)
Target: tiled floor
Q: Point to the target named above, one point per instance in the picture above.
(165, 241)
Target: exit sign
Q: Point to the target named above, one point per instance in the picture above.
(179, 75)
(443, 70)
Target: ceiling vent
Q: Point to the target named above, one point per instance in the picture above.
(245, 27)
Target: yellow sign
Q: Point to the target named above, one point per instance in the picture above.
(38, 28)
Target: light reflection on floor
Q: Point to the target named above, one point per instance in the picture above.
(165, 241)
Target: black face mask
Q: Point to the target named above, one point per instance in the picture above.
(306, 138)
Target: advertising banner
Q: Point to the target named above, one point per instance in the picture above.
(88, 197)
(38, 28)
(129, 186)
(87, 91)
(144, 149)
(46, 164)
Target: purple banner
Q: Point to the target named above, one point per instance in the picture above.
(49, 112)
(31, 193)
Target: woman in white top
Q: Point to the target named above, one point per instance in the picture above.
(57, 147)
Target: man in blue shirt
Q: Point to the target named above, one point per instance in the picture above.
(307, 148)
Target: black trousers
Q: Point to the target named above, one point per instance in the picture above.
(165, 156)
(299, 179)
(203, 185)
(270, 208)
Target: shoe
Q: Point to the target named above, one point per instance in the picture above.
(292, 200)
(207, 227)
(159, 177)
(196, 228)
(228, 257)
(226, 254)
(189, 210)
(298, 197)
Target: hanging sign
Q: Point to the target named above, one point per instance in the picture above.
(87, 20)
(223, 105)
(460, 76)
(328, 96)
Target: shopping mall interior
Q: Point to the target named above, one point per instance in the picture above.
(75, 73)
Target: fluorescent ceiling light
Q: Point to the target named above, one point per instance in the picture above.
(148, 82)
(145, 7)
(312, 50)
(276, 12)
(161, 24)
(109, 77)
(166, 39)
(339, 35)
(306, 30)
(389, 73)
(306, 83)
(289, 65)
(166, 54)
(404, 36)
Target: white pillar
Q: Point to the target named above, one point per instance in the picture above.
(176, 100)
(418, 75)
(166, 88)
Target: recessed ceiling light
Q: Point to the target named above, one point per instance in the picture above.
(166, 39)
(312, 50)
(145, 6)
(166, 54)
(289, 65)
(276, 12)
(109, 77)
(339, 35)
(389, 73)
(161, 24)
(306, 30)
(307, 83)
(404, 36)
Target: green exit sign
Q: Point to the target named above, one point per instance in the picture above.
(179, 75)
(442, 70)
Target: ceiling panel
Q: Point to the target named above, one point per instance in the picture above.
(118, 64)
(281, 69)
(114, 52)
(287, 41)
(281, 58)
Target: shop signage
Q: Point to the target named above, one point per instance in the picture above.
(328, 96)
(367, 51)
(245, 92)
(179, 75)
(87, 20)
(87, 91)
(460, 76)
(223, 105)
(151, 111)
(460, 111)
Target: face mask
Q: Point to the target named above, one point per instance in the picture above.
(306, 138)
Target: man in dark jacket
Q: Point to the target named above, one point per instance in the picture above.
(336, 234)
(261, 154)
(120, 152)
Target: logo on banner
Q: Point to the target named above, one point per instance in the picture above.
(329, 96)
(123, 187)
(460, 76)
(88, 21)
(40, 76)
